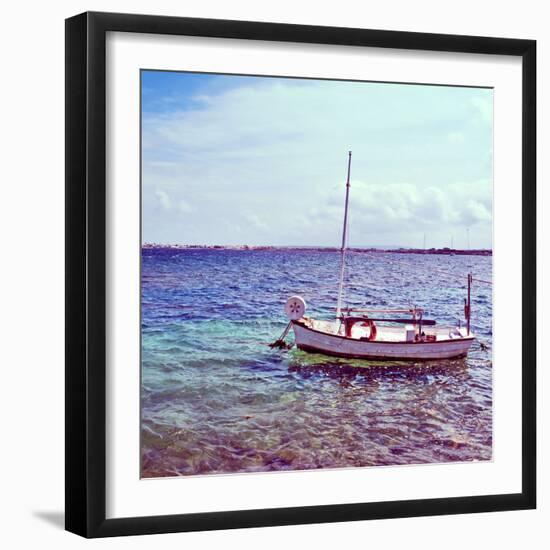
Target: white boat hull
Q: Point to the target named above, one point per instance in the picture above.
(323, 341)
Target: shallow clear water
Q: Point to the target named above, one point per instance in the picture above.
(217, 399)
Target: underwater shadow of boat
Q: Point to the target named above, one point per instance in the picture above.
(399, 370)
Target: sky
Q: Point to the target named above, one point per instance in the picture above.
(233, 160)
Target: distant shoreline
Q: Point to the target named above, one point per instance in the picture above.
(439, 251)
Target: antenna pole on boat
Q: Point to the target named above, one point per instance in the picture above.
(469, 304)
(344, 244)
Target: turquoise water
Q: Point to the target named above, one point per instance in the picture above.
(217, 399)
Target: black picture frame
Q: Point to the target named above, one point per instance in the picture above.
(86, 274)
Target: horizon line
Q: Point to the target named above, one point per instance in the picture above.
(331, 247)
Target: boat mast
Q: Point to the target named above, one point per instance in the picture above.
(344, 245)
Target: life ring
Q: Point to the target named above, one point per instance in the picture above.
(370, 324)
(350, 322)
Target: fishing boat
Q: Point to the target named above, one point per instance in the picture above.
(400, 333)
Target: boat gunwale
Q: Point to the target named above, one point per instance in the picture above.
(303, 325)
(330, 353)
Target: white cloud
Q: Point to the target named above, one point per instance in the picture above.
(164, 199)
(269, 159)
(396, 213)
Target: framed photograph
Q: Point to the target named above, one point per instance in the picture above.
(300, 274)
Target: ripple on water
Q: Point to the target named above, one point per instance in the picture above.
(216, 399)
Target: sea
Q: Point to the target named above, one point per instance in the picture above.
(216, 399)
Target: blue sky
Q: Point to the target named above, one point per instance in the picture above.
(256, 160)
